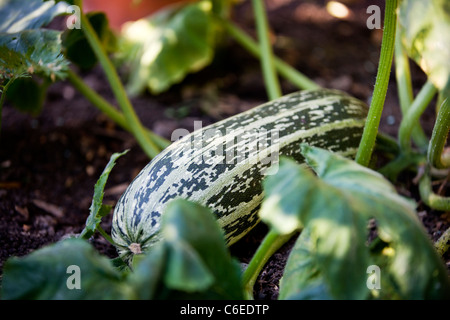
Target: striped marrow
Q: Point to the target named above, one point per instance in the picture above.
(222, 165)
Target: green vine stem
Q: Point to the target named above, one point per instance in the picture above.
(402, 162)
(105, 107)
(439, 137)
(106, 236)
(2, 99)
(284, 69)
(430, 198)
(268, 68)
(412, 116)
(270, 244)
(405, 92)
(137, 129)
(381, 85)
(440, 100)
(443, 243)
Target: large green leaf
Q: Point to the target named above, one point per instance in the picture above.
(164, 48)
(335, 207)
(295, 198)
(302, 279)
(32, 52)
(25, 49)
(148, 273)
(46, 274)
(425, 31)
(19, 15)
(198, 258)
(191, 262)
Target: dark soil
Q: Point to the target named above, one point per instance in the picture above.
(49, 163)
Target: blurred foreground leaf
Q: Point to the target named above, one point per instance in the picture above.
(198, 264)
(335, 208)
(46, 274)
(302, 279)
(190, 262)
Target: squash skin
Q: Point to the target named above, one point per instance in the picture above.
(217, 167)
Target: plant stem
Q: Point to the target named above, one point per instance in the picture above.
(412, 116)
(270, 244)
(405, 92)
(105, 107)
(285, 70)
(439, 137)
(131, 118)
(387, 144)
(443, 243)
(402, 162)
(430, 198)
(105, 235)
(2, 100)
(262, 26)
(381, 85)
(440, 100)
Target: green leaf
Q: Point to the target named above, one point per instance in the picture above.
(425, 31)
(76, 47)
(148, 273)
(98, 210)
(335, 207)
(20, 15)
(164, 48)
(297, 199)
(24, 48)
(190, 262)
(415, 267)
(198, 258)
(32, 52)
(53, 272)
(186, 270)
(302, 279)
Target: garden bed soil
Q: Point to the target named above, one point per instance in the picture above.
(49, 163)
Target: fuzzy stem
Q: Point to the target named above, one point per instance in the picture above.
(270, 244)
(105, 107)
(381, 85)
(402, 162)
(137, 129)
(430, 198)
(105, 235)
(443, 243)
(405, 92)
(439, 137)
(284, 69)
(412, 116)
(270, 75)
(440, 100)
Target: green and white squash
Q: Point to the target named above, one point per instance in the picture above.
(221, 166)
